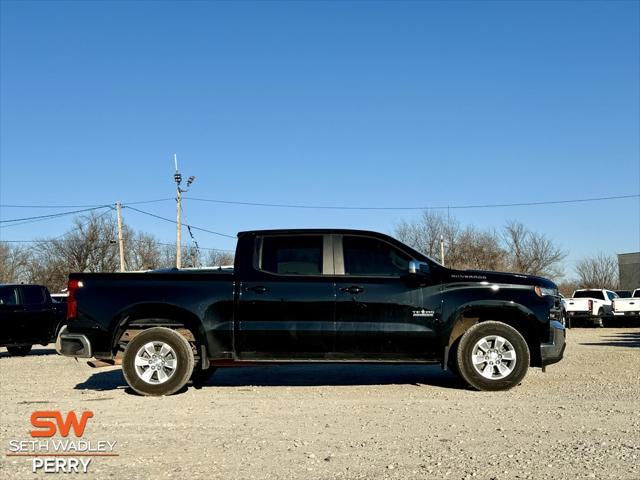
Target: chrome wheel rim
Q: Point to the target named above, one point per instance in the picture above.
(493, 357)
(156, 362)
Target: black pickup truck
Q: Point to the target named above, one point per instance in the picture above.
(310, 296)
(28, 316)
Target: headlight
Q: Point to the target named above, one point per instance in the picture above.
(543, 292)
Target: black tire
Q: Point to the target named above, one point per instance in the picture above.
(599, 321)
(201, 377)
(61, 326)
(516, 343)
(18, 350)
(179, 354)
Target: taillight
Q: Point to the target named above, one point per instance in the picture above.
(591, 305)
(72, 303)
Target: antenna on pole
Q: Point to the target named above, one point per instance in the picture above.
(175, 160)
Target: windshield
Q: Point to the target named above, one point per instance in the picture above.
(589, 294)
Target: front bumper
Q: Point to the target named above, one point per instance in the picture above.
(73, 345)
(553, 351)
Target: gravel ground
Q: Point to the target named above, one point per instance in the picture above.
(581, 419)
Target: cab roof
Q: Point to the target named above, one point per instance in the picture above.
(317, 231)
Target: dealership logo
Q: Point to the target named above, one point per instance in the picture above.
(48, 428)
(64, 454)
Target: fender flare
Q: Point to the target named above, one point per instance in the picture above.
(156, 314)
(464, 317)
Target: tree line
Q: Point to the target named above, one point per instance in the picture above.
(91, 246)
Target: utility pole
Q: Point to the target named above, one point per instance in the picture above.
(442, 249)
(120, 236)
(178, 179)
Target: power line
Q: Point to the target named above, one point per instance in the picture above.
(174, 222)
(443, 207)
(85, 223)
(141, 202)
(52, 215)
(50, 240)
(341, 207)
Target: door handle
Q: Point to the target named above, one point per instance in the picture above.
(354, 289)
(259, 289)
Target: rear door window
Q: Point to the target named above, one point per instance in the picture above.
(8, 295)
(589, 294)
(296, 255)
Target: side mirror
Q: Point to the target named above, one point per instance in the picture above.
(419, 268)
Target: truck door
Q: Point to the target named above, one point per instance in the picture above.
(286, 309)
(11, 315)
(39, 316)
(379, 314)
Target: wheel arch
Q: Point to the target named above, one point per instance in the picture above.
(148, 315)
(515, 315)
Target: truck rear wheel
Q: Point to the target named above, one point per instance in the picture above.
(493, 356)
(158, 361)
(18, 350)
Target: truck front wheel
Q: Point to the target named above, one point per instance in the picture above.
(492, 356)
(158, 361)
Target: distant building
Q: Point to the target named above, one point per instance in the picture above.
(629, 266)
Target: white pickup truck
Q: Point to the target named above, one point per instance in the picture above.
(592, 305)
(628, 306)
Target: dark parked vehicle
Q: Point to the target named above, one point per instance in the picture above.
(623, 293)
(27, 317)
(314, 296)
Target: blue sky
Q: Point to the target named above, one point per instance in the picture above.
(334, 103)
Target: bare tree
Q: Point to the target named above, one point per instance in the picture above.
(190, 256)
(567, 287)
(424, 234)
(90, 246)
(218, 258)
(14, 262)
(531, 252)
(142, 251)
(476, 249)
(600, 271)
(464, 248)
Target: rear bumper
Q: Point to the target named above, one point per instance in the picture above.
(73, 345)
(553, 351)
(576, 314)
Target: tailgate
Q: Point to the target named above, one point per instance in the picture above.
(626, 304)
(577, 305)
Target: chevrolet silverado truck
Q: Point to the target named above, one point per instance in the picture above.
(629, 307)
(28, 316)
(314, 296)
(594, 305)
